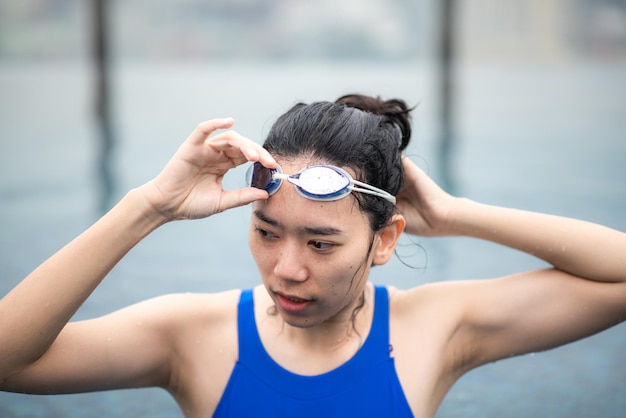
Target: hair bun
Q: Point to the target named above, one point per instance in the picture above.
(395, 110)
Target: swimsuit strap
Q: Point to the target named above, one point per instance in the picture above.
(380, 324)
(246, 326)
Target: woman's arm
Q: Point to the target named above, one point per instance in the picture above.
(580, 248)
(38, 308)
(583, 293)
(35, 312)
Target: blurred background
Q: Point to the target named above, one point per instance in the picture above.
(519, 103)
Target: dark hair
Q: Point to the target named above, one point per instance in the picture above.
(365, 134)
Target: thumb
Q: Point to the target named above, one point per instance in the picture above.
(241, 197)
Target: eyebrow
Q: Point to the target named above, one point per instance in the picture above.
(308, 230)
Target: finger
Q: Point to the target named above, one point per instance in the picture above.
(241, 197)
(231, 140)
(206, 128)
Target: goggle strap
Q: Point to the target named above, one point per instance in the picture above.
(379, 193)
(280, 176)
(369, 189)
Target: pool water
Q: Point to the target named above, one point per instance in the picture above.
(545, 138)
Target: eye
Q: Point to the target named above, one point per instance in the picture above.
(264, 233)
(321, 245)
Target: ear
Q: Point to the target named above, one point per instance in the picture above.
(388, 239)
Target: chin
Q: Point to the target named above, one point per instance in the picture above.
(299, 321)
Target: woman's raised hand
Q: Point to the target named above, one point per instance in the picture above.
(190, 185)
(425, 206)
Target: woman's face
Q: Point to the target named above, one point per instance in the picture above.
(314, 257)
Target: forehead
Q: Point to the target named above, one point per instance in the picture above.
(292, 165)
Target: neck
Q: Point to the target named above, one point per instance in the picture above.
(320, 348)
(350, 325)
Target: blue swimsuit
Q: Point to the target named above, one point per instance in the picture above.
(364, 386)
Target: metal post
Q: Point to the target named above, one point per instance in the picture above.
(446, 91)
(102, 104)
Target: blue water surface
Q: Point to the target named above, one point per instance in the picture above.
(545, 138)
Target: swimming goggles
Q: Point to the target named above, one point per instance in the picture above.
(316, 182)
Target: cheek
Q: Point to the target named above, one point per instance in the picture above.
(259, 254)
(343, 277)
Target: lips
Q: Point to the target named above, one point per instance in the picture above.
(293, 299)
(291, 304)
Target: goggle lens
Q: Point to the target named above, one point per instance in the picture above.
(321, 181)
(262, 177)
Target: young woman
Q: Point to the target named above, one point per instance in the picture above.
(331, 194)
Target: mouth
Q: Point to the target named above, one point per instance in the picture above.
(290, 303)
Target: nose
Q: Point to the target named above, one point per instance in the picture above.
(290, 264)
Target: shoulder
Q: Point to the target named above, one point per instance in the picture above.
(439, 310)
(427, 296)
(426, 326)
(196, 307)
(450, 304)
(178, 313)
(203, 331)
